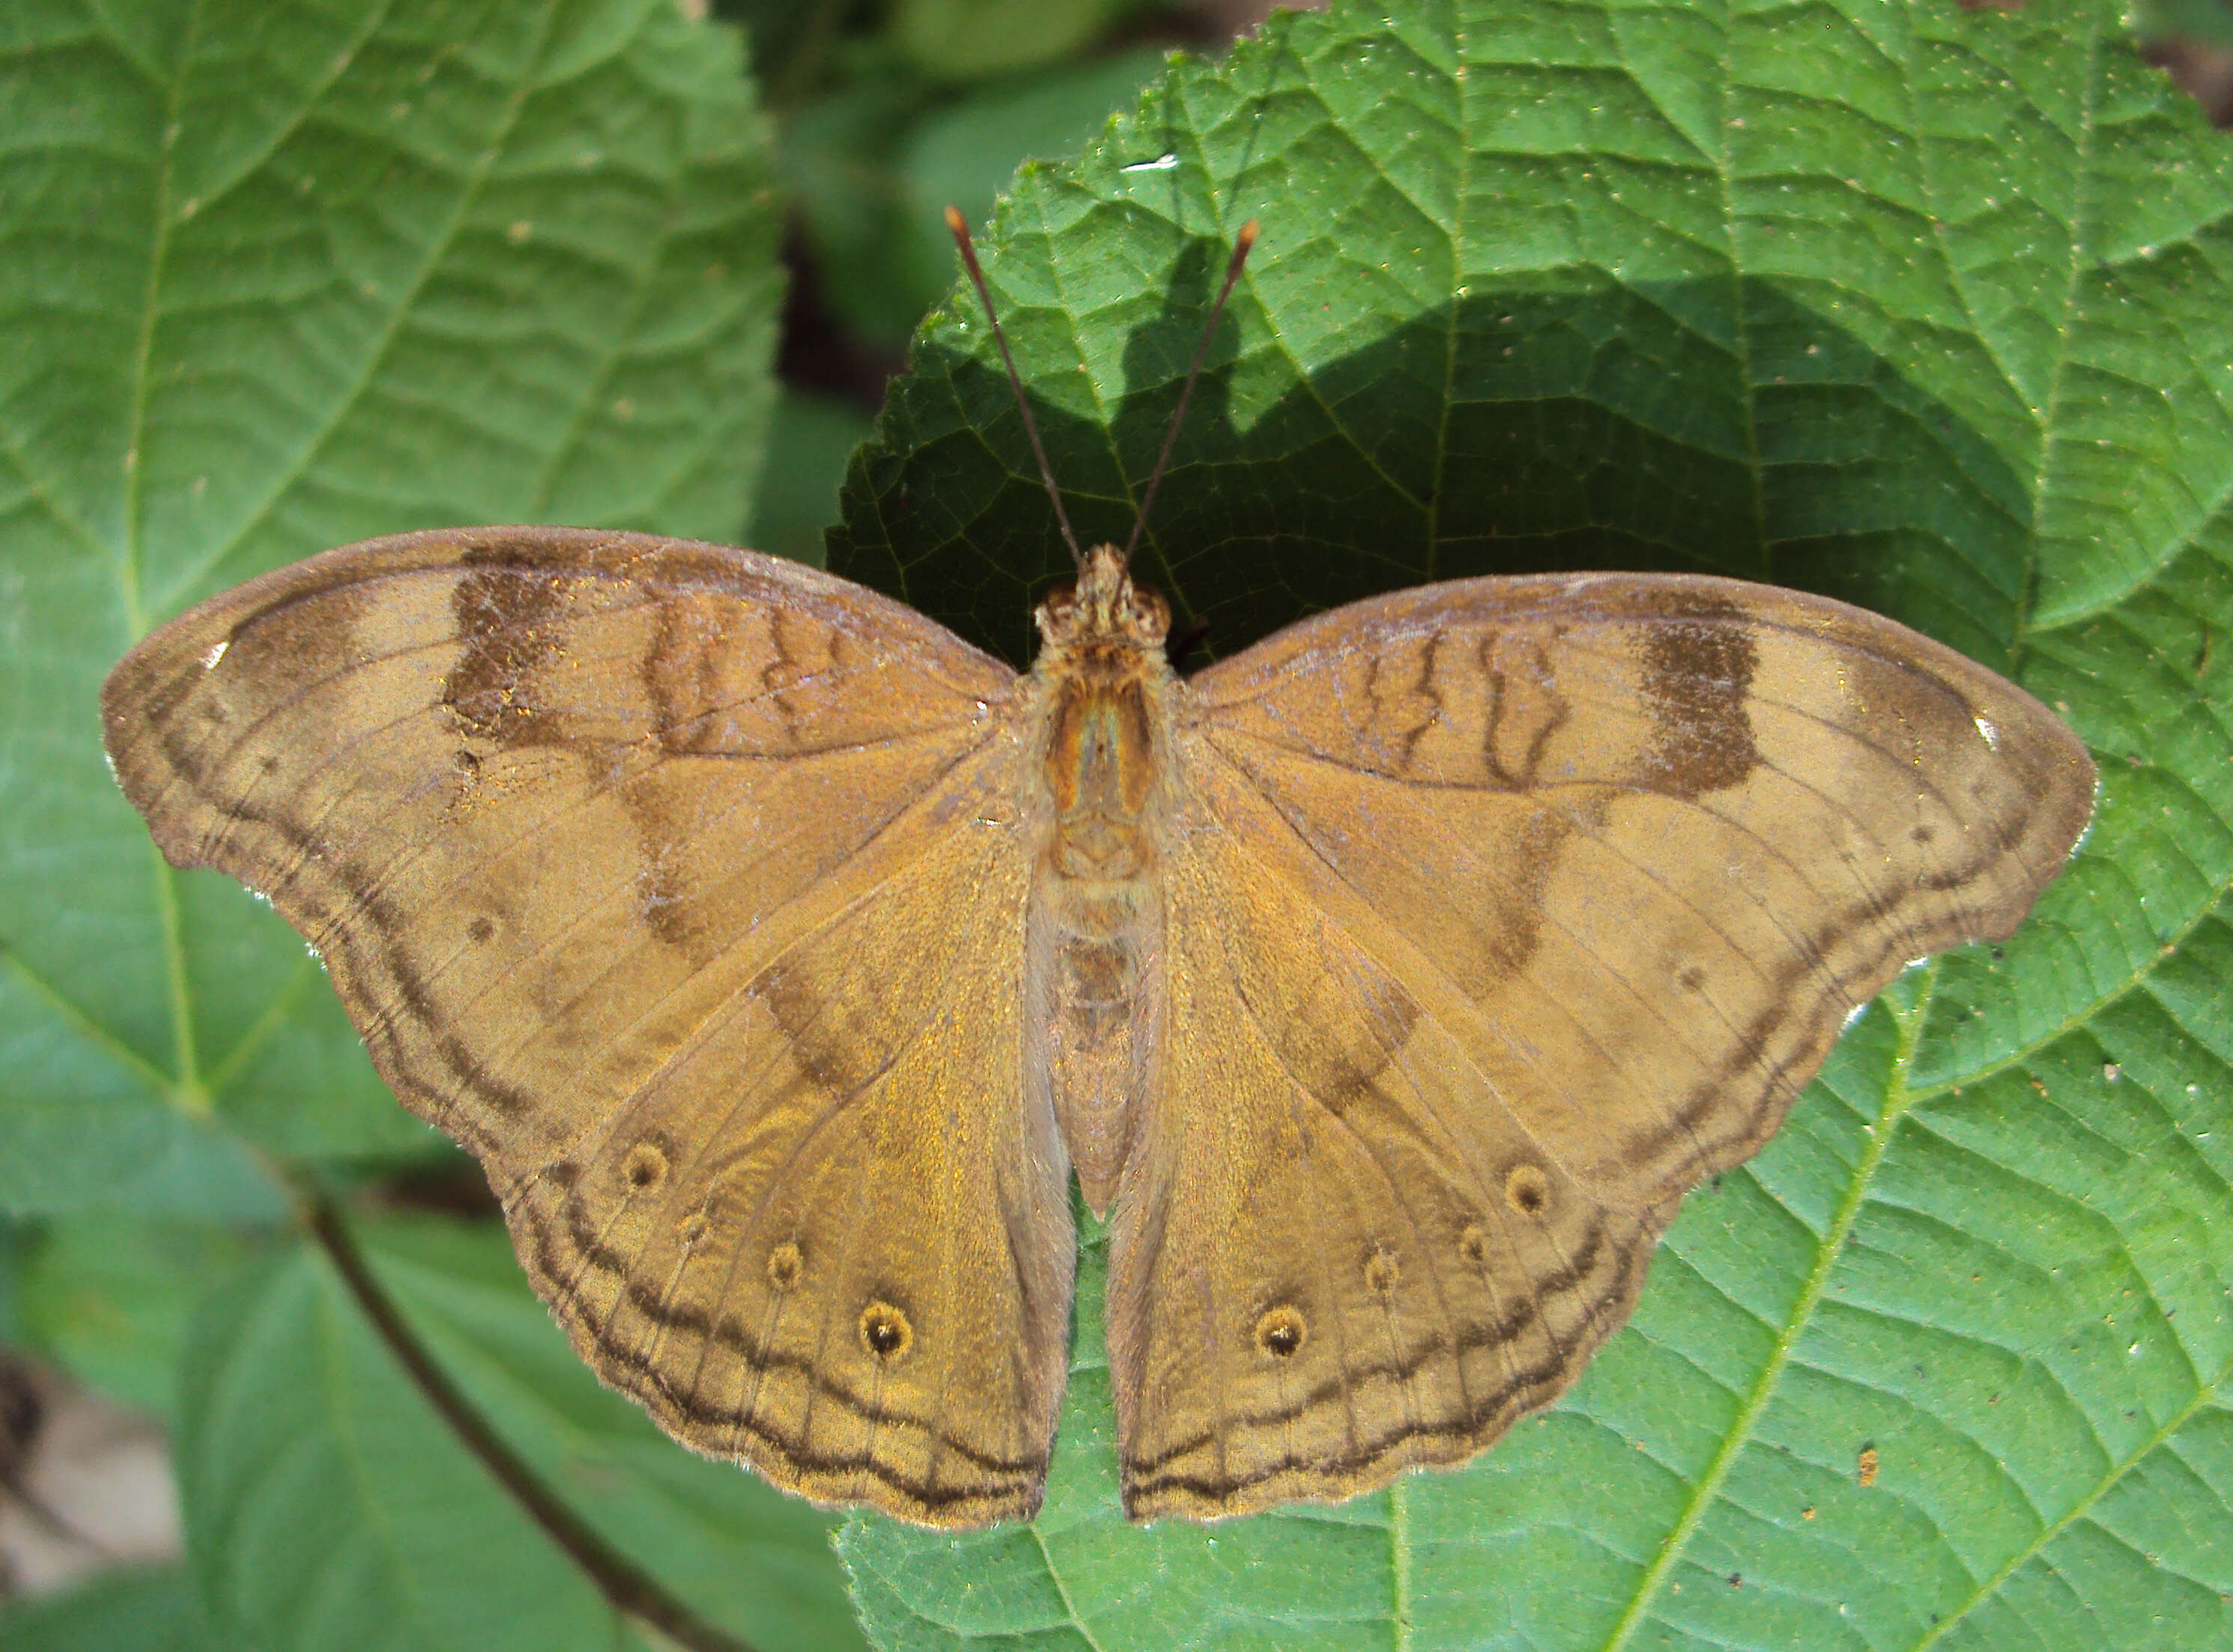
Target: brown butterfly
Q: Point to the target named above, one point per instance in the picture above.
(781, 955)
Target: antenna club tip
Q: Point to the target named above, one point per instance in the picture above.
(1245, 240)
(955, 222)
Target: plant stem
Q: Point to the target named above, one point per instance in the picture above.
(626, 1585)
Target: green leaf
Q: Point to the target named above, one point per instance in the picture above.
(1926, 308)
(809, 444)
(274, 278)
(328, 1505)
(110, 1298)
(873, 167)
(154, 1610)
(960, 38)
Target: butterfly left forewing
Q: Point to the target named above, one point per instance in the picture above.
(648, 869)
(1597, 866)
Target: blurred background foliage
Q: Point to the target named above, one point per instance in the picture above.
(887, 111)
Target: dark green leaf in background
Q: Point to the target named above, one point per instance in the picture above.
(871, 170)
(809, 440)
(962, 39)
(1930, 311)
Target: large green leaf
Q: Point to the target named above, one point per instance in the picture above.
(152, 1610)
(327, 1505)
(274, 277)
(1929, 309)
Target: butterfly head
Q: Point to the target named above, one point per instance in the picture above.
(1103, 607)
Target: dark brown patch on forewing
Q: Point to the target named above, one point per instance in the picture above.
(1698, 677)
(509, 615)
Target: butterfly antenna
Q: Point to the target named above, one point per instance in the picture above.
(1242, 242)
(960, 228)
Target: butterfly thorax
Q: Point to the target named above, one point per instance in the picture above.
(1106, 688)
(1095, 941)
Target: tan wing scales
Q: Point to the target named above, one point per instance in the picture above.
(1345, 1252)
(1504, 912)
(634, 862)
